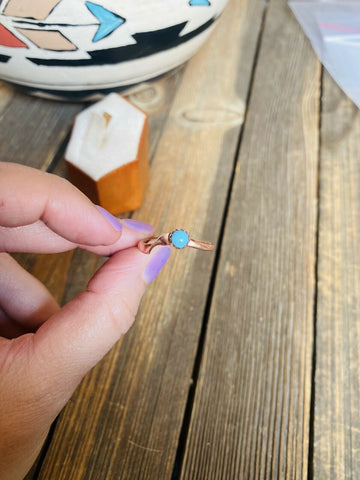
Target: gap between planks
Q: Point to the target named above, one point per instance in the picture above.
(201, 345)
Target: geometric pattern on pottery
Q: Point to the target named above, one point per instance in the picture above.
(36, 9)
(63, 45)
(8, 39)
(48, 39)
(147, 43)
(109, 21)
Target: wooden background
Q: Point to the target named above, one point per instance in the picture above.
(243, 364)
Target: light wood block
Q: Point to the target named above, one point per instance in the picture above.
(108, 154)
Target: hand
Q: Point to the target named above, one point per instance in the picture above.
(45, 351)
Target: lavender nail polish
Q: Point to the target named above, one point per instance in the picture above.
(137, 226)
(153, 268)
(110, 218)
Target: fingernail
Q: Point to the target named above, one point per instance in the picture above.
(153, 268)
(137, 226)
(110, 218)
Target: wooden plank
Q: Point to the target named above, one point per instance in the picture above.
(124, 420)
(67, 274)
(337, 377)
(6, 93)
(32, 129)
(45, 125)
(251, 408)
(155, 99)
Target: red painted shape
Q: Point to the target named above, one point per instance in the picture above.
(8, 39)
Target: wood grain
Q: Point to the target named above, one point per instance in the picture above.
(155, 99)
(72, 270)
(337, 376)
(6, 94)
(251, 409)
(67, 274)
(43, 124)
(125, 418)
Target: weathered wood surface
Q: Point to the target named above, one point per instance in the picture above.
(218, 378)
(252, 405)
(337, 375)
(66, 274)
(125, 419)
(32, 132)
(72, 270)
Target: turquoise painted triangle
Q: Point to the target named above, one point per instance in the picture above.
(109, 21)
(201, 3)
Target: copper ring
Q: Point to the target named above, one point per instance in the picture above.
(178, 238)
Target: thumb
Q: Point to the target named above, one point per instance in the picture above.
(74, 339)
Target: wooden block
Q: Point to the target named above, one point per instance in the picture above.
(108, 154)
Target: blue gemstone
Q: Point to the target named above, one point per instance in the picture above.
(201, 3)
(179, 238)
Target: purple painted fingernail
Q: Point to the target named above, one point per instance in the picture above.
(153, 268)
(137, 226)
(110, 218)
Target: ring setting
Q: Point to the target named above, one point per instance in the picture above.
(178, 238)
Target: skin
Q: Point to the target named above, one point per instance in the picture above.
(46, 350)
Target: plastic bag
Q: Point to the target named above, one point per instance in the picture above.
(333, 28)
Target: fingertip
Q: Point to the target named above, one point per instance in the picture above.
(132, 232)
(137, 226)
(85, 329)
(113, 234)
(158, 258)
(114, 222)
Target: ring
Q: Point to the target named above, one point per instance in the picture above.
(178, 238)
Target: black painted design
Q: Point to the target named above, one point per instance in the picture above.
(4, 58)
(147, 43)
(52, 25)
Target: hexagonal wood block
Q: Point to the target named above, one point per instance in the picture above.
(108, 154)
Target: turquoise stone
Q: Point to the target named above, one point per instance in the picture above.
(179, 238)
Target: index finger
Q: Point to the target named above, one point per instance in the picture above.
(28, 195)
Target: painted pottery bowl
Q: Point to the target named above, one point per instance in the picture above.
(79, 49)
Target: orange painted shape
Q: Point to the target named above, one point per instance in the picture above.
(8, 39)
(48, 39)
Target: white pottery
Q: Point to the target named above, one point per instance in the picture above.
(77, 48)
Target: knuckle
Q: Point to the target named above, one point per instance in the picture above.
(119, 311)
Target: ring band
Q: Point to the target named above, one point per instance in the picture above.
(177, 238)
